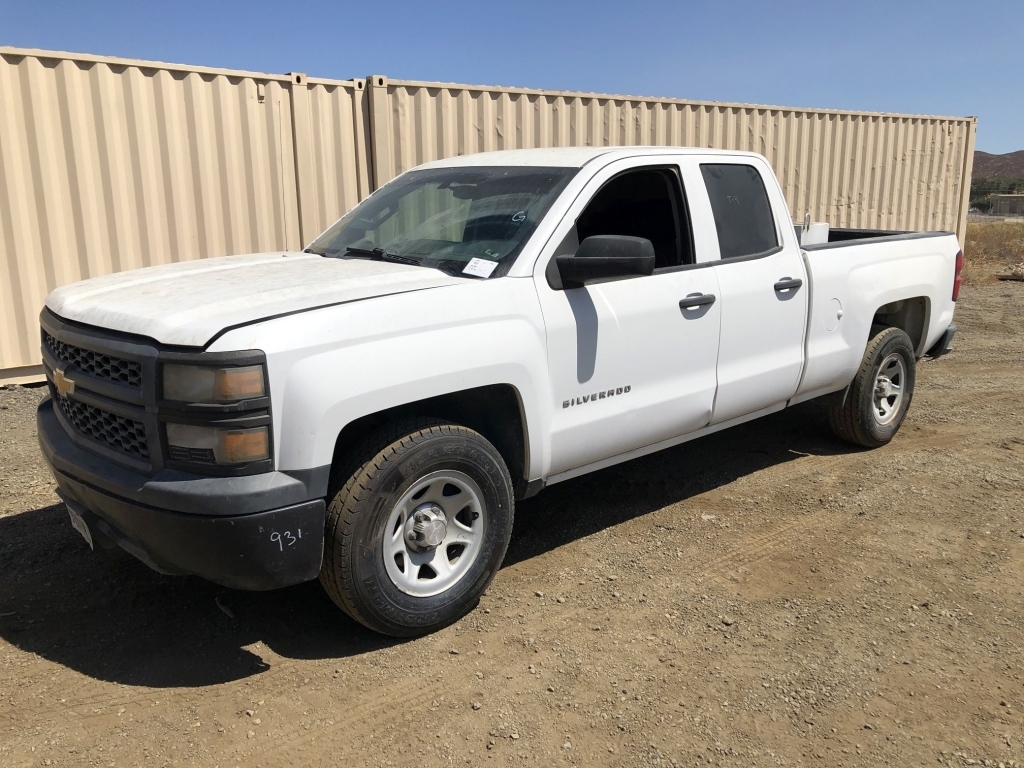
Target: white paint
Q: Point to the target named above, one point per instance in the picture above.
(815, 234)
(190, 302)
(833, 315)
(334, 365)
(627, 332)
(347, 338)
(571, 157)
(79, 524)
(286, 539)
(760, 353)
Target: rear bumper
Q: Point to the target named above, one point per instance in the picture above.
(944, 345)
(254, 532)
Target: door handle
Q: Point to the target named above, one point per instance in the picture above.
(697, 300)
(788, 283)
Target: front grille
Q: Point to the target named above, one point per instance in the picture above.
(108, 367)
(117, 432)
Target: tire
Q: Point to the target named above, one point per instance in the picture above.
(872, 412)
(404, 473)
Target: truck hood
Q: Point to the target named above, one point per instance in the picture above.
(189, 303)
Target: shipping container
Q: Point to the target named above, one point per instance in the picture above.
(109, 164)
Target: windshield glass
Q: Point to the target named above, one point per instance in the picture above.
(471, 221)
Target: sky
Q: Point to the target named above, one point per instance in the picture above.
(937, 58)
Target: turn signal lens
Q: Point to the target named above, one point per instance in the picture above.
(241, 446)
(240, 383)
(209, 445)
(202, 384)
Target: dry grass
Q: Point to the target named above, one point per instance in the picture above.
(991, 248)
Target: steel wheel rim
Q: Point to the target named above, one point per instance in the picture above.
(890, 387)
(429, 571)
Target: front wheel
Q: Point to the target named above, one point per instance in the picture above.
(880, 394)
(417, 532)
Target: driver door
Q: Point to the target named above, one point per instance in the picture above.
(629, 365)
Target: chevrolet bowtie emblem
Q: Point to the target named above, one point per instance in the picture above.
(64, 385)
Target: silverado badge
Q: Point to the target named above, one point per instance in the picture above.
(596, 396)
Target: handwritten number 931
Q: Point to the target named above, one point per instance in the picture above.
(285, 539)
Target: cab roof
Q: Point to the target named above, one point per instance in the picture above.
(569, 157)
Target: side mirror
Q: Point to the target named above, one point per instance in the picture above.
(604, 257)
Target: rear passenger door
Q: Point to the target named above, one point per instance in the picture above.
(629, 365)
(762, 282)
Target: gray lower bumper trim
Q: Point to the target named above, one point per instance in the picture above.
(174, 490)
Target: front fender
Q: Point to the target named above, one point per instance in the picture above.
(332, 366)
(325, 392)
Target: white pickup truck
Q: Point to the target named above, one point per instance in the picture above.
(368, 410)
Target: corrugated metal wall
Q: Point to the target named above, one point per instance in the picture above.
(850, 169)
(109, 164)
(332, 128)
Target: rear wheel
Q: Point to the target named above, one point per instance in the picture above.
(418, 530)
(880, 394)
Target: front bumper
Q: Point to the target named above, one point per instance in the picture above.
(254, 532)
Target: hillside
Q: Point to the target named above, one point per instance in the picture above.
(1008, 166)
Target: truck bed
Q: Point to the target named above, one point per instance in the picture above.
(839, 236)
(888, 273)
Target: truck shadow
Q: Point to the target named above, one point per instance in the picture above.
(115, 620)
(582, 506)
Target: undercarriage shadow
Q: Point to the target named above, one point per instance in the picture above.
(576, 508)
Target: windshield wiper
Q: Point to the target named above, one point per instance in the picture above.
(371, 252)
(379, 254)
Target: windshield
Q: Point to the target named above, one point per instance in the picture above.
(471, 221)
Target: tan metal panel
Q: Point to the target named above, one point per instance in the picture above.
(967, 166)
(336, 173)
(108, 164)
(850, 168)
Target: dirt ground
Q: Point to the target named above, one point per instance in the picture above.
(764, 596)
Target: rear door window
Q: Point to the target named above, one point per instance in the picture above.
(743, 214)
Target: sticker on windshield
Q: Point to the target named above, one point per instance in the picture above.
(479, 268)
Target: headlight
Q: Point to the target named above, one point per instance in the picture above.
(203, 384)
(214, 445)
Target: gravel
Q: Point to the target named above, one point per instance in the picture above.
(779, 599)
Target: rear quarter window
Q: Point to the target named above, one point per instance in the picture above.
(743, 215)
